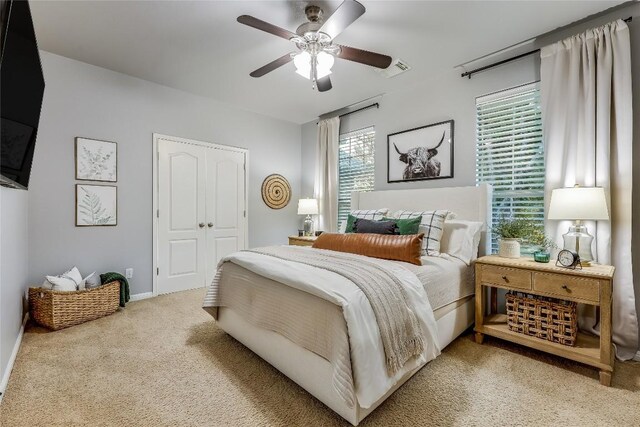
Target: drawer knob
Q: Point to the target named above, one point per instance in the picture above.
(505, 278)
(565, 287)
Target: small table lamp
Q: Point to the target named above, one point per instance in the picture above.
(578, 204)
(308, 207)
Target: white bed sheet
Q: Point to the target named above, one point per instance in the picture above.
(445, 279)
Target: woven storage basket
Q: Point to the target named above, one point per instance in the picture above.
(545, 318)
(57, 310)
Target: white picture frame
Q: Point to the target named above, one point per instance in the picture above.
(96, 205)
(96, 160)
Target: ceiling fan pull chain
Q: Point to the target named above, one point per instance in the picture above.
(314, 70)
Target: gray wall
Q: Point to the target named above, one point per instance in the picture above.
(452, 97)
(84, 100)
(13, 268)
(449, 97)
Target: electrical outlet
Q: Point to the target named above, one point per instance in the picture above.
(128, 273)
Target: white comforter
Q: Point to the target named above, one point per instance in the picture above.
(367, 353)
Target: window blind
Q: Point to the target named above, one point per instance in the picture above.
(355, 167)
(510, 153)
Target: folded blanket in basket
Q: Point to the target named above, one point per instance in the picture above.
(124, 285)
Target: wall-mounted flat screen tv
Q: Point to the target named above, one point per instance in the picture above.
(21, 91)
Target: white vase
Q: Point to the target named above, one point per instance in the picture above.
(509, 248)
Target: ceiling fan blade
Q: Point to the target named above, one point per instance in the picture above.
(285, 59)
(364, 57)
(345, 15)
(324, 84)
(265, 26)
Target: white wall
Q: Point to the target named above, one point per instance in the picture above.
(13, 268)
(84, 100)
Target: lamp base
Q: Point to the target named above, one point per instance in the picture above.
(578, 240)
(308, 226)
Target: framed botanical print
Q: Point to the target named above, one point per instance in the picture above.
(96, 205)
(421, 154)
(96, 160)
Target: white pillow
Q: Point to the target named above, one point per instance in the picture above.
(90, 282)
(432, 225)
(372, 214)
(68, 281)
(461, 239)
(74, 275)
(60, 283)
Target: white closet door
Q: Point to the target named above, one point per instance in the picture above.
(225, 206)
(182, 231)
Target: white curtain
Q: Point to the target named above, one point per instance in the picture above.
(587, 115)
(326, 183)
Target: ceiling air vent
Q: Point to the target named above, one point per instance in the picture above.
(397, 67)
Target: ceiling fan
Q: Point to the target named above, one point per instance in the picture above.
(314, 40)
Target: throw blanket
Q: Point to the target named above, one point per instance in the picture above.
(124, 285)
(399, 329)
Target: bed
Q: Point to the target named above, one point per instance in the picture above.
(306, 337)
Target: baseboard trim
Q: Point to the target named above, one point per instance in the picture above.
(138, 297)
(12, 359)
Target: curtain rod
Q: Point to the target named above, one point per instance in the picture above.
(515, 58)
(375, 104)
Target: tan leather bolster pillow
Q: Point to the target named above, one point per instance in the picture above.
(405, 248)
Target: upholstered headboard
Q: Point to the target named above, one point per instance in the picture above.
(470, 203)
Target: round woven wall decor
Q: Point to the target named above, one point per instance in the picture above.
(276, 191)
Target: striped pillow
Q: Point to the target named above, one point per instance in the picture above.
(371, 214)
(432, 225)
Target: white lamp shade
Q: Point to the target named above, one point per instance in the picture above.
(578, 203)
(307, 207)
(324, 62)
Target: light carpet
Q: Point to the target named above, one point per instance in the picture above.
(164, 362)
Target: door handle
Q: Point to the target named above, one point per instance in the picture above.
(210, 224)
(201, 225)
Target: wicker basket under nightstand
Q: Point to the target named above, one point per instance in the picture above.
(549, 319)
(592, 285)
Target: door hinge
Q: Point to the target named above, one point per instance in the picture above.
(158, 213)
(158, 271)
(245, 214)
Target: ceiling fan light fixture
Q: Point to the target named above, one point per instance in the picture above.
(324, 62)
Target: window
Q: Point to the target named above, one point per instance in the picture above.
(355, 167)
(510, 153)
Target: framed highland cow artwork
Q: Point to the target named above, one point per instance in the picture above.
(420, 154)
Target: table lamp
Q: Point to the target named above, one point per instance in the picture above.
(578, 204)
(308, 207)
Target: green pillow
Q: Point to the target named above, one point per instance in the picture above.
(406, 226)
(350, 221)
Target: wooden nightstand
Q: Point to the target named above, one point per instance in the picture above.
(591, 285)
(302, 240)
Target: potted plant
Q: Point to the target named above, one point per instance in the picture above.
(511, 232)
(544, 244)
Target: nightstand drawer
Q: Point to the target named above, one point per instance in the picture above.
(506, 277)
(567, 287)
(301, 241)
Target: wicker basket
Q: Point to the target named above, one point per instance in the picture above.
(57, 310)
(545, 318)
